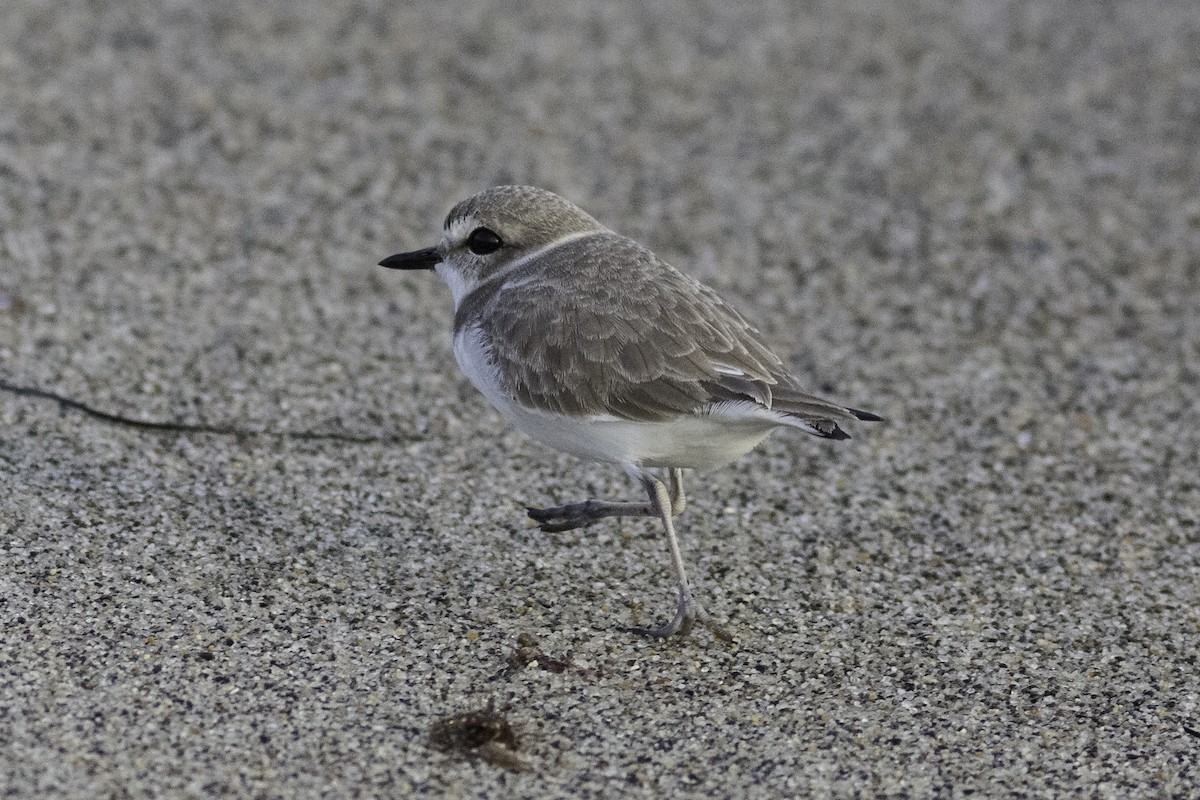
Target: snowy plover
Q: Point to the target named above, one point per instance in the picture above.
(590, 344)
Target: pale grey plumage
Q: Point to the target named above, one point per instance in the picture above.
(591, 344)
(623, 333)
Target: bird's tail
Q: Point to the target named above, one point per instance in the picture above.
(814, 415)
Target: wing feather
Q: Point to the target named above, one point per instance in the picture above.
(652, 345)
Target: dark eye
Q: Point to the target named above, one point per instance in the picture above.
(482, 241)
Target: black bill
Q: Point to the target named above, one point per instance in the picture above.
(418, 259)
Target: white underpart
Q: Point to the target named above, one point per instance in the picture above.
(459, 285)
(721, 433)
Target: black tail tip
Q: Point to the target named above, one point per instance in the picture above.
(827, 429)
(865, 416)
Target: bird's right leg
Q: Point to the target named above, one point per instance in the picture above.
(577, 515)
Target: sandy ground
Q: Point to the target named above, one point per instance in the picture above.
(979, 219)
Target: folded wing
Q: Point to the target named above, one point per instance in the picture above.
(649, 345)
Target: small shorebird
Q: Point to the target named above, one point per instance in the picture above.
(590, 344)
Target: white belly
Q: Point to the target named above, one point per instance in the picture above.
(700, 441)
(695, 442)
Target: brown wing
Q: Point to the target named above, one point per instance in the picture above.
(604, 327)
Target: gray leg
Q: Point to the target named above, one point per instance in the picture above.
(578, 515)
(689, 611)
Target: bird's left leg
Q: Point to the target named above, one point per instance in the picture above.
(689, 611)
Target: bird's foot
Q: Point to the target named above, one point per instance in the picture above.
(688, 614)
(578, 515)
(565, 518)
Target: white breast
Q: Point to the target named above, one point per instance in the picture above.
(723, 433)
